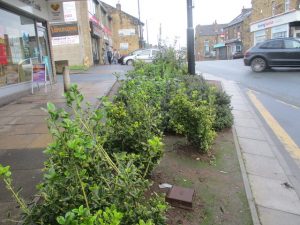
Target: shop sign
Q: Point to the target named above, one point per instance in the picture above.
(126, 32)
(276, 21)
(64, 30)
(56, 11)
(124, 46)
(96, 30)
(282, 28)
(70, 11)
(106, 30)
(94, 19)
(39, 73)
(66, 40)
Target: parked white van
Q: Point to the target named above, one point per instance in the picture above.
(145, 55)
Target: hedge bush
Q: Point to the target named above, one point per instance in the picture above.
(100, 159)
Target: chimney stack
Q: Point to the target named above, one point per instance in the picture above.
(118, 6)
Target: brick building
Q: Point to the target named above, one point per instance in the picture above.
(84, 35)
(273, 19)
(125, 27)
(208, 38)
(237, 33)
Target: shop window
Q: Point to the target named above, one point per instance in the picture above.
(18, 48)
(279, 34)
(259, 36)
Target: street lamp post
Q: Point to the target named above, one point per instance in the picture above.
(140, 27)
(190, 38)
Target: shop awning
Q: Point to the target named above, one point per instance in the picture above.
(219, 45)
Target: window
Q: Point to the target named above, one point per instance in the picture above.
(276, 44)
(259, 36)
(18, 48)
(291, 44)
(279, 34)
(238, 48)
(92, 7)
(206, 46)
(287, 5)
(144, 53)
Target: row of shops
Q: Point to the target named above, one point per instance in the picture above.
(241, 33)
(283, 25)
(39, 31)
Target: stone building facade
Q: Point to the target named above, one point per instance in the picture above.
(207, 39)
(126, 30)
(83, 37)
(237, 33)
(273, 19)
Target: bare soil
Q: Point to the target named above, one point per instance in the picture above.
(220, 196)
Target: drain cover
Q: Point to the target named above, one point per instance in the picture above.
(181, 197)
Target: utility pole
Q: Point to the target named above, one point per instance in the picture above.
(147, 32)
(140, 26)
(190, 38)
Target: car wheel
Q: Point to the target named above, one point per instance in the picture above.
(258, 65)
(129, 62)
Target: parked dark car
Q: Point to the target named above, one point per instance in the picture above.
(238, 55)
(281, 52)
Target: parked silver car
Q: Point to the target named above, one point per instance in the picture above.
(145, 55)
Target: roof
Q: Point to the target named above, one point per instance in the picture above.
(111, 9)
(210, 30)
(240, 18)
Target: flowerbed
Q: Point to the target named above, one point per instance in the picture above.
(99, 164)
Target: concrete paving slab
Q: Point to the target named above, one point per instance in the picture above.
(242, 114)
(41, 142)
(23, 159)
(245, 122)
(271, 193)
(16, 141)
(9, 211)
(275, 217)
(252, 133)
(264, 167)
(8, 120)
(256, 147)
(25, 179)
(241, 107)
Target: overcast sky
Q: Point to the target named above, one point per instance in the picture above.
(171, 14)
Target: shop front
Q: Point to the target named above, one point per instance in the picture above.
(23, 42)
(96, 35)
(283, 25)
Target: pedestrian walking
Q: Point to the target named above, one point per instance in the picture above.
(116, 56)
(109, 56)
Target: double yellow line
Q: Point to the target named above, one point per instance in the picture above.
(282, 135)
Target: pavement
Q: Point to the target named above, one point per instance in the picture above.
(269, 182)
(24, 133)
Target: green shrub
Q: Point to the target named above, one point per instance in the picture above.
(224, 117)
(79, 171)
(193, 118)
